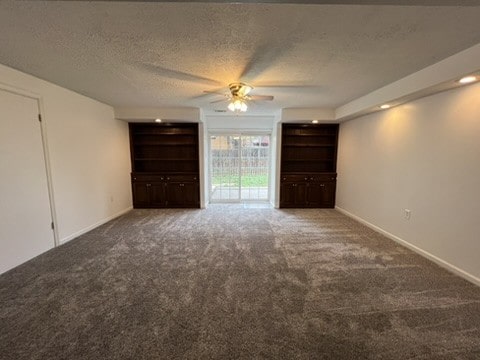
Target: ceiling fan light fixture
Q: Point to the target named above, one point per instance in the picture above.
(239, 97)
(237, 105)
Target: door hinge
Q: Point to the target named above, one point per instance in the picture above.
(52, 225)
(39, 117)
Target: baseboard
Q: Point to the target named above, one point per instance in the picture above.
(91, 227)
(446, 265)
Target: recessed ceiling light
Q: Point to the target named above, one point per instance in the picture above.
(384, 106)
(158, 120)
(314, 121)
(467, 79)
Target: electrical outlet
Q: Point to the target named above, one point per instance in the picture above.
(407, 214)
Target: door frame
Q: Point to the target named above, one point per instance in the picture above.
(43, 132)
(238, 132)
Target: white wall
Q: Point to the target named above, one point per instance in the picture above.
(307, 114)
(203, 160)
(141, 114)
(88, 152)
(423, 156)
(239, 122)
(276, 161)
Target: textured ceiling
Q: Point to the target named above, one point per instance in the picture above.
(158, 54)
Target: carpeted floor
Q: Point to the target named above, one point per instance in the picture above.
(235, 283)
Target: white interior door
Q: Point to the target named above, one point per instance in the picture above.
(25, 216)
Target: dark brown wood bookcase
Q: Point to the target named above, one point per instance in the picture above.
(165, 165)
(308, 165)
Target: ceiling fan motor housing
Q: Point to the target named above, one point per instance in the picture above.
(239, 89)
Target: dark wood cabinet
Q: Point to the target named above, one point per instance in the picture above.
(182, 191)
(141, 194)
(165, 165)
(302, 190)
(308, 165)
(292, 194)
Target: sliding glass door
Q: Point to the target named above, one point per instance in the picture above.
(239, 167)
(225, 168)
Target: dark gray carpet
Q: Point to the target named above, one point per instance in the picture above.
(235, 283)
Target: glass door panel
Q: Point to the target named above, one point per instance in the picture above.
(254, 167)
(225, 168)
(239, 167)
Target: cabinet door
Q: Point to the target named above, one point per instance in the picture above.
(292, 194)
(191, 193)
(321, 194)
(182, 194)
(141, 194)
(157, 194)
(148, 194)
(328, 195)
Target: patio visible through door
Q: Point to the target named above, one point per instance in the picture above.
(239, 167)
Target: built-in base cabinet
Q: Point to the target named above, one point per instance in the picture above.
(307, 191)
(153, 191)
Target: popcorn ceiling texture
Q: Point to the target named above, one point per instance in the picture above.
(234, 283)
(165, 54)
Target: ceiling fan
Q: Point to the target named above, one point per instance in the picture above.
(239, 96)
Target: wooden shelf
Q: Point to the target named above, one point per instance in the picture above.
(156, 144)
(308, 160)
(310, 135)
(164, 159)
(137, 133)
(311, 145)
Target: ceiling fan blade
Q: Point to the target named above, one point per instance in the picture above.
(284, 85)
(217, 101)
(264, 57)
(215, 92)
(176, 74)
(261, 97)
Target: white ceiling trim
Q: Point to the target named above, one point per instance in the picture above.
(139, 114)
(440, 76)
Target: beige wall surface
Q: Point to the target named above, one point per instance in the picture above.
(88, 151)
(423, 156)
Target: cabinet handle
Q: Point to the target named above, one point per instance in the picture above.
(306, 178)
(322, 184)
(149, 184)
(311, 178)
(182, 184)
(168, 178)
